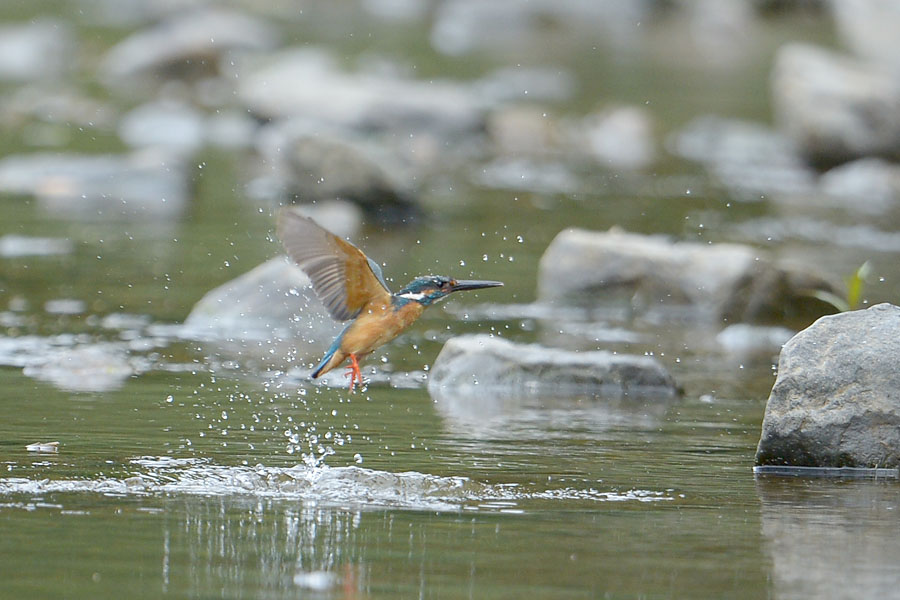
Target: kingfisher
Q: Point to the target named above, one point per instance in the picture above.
(352, 288)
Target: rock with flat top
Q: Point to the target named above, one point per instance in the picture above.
(473, 364)
(655, 276)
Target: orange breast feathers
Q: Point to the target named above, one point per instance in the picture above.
(378, 324)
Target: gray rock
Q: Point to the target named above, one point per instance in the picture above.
(542, 177)
(322, 168)
(742, 339)
(139, 185)
(749, 160)
(231, 129)
(483, 364)
(41, 49)
(272, 302)
(188, 45)
(462, 26)
(524, 130)
(836, 400)
(867, 185)
(308, 83)
(619, 137)
(656, 276)
(835, 108)
(13, 246)
(48, 102)
(508, 84)
(869, 28)
(93, 368)
(169, 124)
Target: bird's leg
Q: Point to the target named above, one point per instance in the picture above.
(353, 372)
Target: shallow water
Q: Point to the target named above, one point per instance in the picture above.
(216, 469)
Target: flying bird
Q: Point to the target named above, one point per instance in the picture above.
(352, 288)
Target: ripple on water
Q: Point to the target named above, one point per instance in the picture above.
(337, 485)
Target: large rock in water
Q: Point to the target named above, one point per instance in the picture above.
(836, 401)
(654, 275)
(834, 107)
(273, 302)
(473, 364)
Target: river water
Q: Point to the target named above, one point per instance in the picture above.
(184, 468)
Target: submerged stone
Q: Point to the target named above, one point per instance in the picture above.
(96, 368)
(485, 364)
(836, 401)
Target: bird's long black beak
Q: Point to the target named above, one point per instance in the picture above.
(460, 285)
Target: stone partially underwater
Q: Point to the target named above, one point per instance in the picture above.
(658, 277)
(480, 364)
(836, 401)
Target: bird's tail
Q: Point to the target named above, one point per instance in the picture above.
(320, 369)
(332, 358)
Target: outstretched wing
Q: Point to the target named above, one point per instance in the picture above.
(343, 277)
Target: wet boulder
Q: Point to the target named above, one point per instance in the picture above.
(836, 400)
(479, 364)
(305, 168)
(188, 45)
(308, 84)
(657, 277)
(273, 302)
(834, 107)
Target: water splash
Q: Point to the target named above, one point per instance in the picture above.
(350, 485)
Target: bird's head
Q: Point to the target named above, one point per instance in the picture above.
(431, 288)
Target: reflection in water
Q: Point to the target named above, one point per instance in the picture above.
(492, 416)
(831, 539)
(313, 548)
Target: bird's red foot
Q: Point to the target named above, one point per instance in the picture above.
(353, 372)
